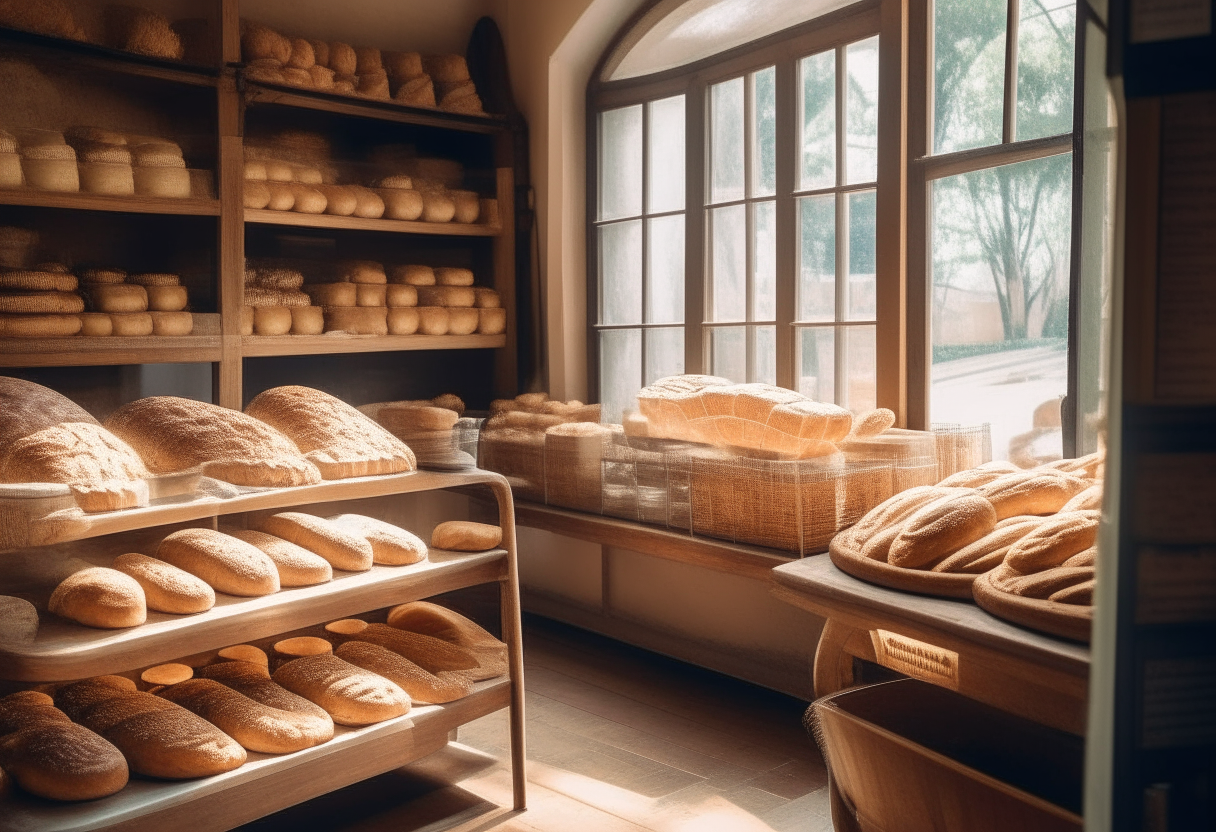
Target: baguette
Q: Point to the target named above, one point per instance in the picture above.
(1031, 492)
(252, 679)
(431, 654)
(997, 539)
(450, 626)
(935, 531)
(466, 536)
(980, 475)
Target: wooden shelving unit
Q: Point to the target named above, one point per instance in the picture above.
(451, 229)
(253, 346)
(120, 204)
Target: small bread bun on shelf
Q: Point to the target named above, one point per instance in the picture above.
(432, 320)
(96, 325)
(132, 324)
(296, 565)
(413, 275)
(105, 169)
(322, 77)
(142, 31)
(448, 276)
(437, 206)
(402, 204)
(369, 204)
(297, 77)
(272, 320)
(361, 271)
(373, 84)
(342, 58)
(333, 294)
(166, 587)
(282, 196)
(302, 54)
(307, 320)
(50, 166)
(227, 564)
(256, 194)
(451, 296)
(266, 70)
(341, 201)
(402, 65)
(468, 206)
(397, 295)
(463, 320)
(491, 321)
(172, 324)
(466, 536)
(402, 320)
(100, 597)
(320, 52)
(484, 298)
(446, 69)
(341, 549)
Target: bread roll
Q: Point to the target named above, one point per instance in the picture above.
(391, 545)
(491, 321)
(322, 77)
(401, 204)
(402, 320)
(358, 320)
(408, 418)
(461, 99)
(172, 673)
(10, 170)
(271, 320)
(340, 200)
(297, 77)
(339, 547)
(279, 171)
(468, 207)
(1055, 540)
(420, 685)
(445, 276)
(999, 539)
(256, 195)
(260, 42)
(296, 565)
(38, 326)
(132, 324)
(320, 51)
(373, 84)
(432, 320)
(308, 200)
(229, 565)
(100, 597)
(96, 325)
(940, 529)
(50, 168)
(466, 536)
(255, 170)
(142, 31)
(41, 303)
(344, 84)
(413, 275)
(332, 294)
(106, 178)
(874, 423)
(342, 58)
(463, 321)
(369, 294)
(396, 296)
(302, 55)
(351, 695)
(1030, 492)
(450, 626)
(118, 298)
(174, 324)
(307, 320)
(437, 207)
(172, 434)
(166, 588)
(368, 203)
(167, 298)
(980, 475)
(361, 271)
(282, 196)
(255, 726)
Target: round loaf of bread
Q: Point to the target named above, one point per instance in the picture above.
(391, 545)
(351, 695)
(103, 178)
(1054, 541)
(374, 84)
(320, 51)
(103, 275)
(96, 325)
(344, 84)
(463, 320)
(53, 174)
(41, 303)
(271, 320)
(340, 200)
(367, 59)
(332, 294)
(118, 297)
(401, 204)
(307, 320)
(413, 275)
(1031, 492)
(357, 320)
(302, 54)
(368, 203)
(938, 530)
(173, 673)
(166, 588)
(257, 727)
(450, 296)
(133, 324)
(167, 298)
(397, 295)
(402, 64)
(437, 207)
(421, 685)
(402, 320)
(491, 321)
(229, 565)
(447, 276)
(162, 181)
(100, 597)
(296, 565)
(256, 195)
(282, 196)
(38, 326)
(173, 324)
(468, 207)
(466, 536)
(346, 626)
(308, 200)
(340, 548)
(342, 58)
(21, 280)
(322, 77)
(260, 42)
(408, 418)
(369, 294)
(432, 320)
(307, 175)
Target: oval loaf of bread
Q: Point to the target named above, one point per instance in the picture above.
(255, 726)
(100, 597)
(391, 545)
(342, 549)
(431, 654)
(450, 626)
(229, 565)
(1055, 540)
(252, 679)
(421, 685)
(999, 539)
(350, 694)
(167, 588)
(937, 530)
(466, 536)
(296, 565)
(1031, 492)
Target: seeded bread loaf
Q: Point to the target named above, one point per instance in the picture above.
(349, 694)
(296, 565)
(431, 654)
(450, 626)
(255, 726)
(466, 536)
(252, 679)
(340, 548)
(421, 685)
(227, 564)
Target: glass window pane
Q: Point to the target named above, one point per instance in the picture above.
(664, 353)
(861, 113)
(620, 372)
(817, 259)
(861, 286)
(665, 146)
(968, 73)
(817, 134)
(621, 273)
(728, 352)
(726, 141)
(764, 354)
(817, 362)
(1046, 65)
(999, 317)
(621, 163)
(665, 270)
(728, 263)
(860, 363)
(764, 133)
(764, 261)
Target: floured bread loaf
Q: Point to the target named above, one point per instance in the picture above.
(104, 473)
(403, 321)
(1090, 498)
(1087, 558)
(422, 686)
(173, 434)
(255, 726)
(989, 551)
(100, 597)
(167, 588)
(1031, 492)
(1054, 541)
(48, 755)
(296, 565)
(933, 532)
(26, 408)
(466, 536)
(450, 626)
(897, 508)
(225, 563)
(491, 321)
(431, 654)
(340, 548)
(404, 418)
(158, 738)
(336, 437)
(350, 694)
(391, 545)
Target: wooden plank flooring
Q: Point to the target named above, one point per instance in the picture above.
(619, 740)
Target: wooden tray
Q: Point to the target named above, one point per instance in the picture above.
(846, 554)
(1071, 621)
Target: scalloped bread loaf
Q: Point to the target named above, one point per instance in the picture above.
(173, 434)
(255, 726)
(421, 685)
(340, 548)
(337, 438)
(349, 694)
(100, 597)
(166, 587)
(391, 545)
(227, 564)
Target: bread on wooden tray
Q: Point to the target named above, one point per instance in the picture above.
(166, 587)
(349, 694)
(255, 726)
(296, 565)
(339, 547)
(421, 685)
(391, 545)
(100, 597)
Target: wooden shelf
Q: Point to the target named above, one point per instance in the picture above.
(78, 201)
(265, 216)
(266, 783)
(94, 56)
(77, 351)
(261, 346)
(258, 92)
(65, 650)
(65, 527)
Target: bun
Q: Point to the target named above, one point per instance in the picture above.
(453, 276)
(402, 203)
(397, 295)
(302, 55)
(369, 294)
(332, 294)
(391, 545)
(41, 303)
(413, 275)
(432, 320)
(491, 321)
(307, 320)
(437, 207)
(143, 32)
(873, 423)
(466, 536)
(350, 695)
(368, 203)
(174, 324)
(342, 58)
(308, 200)
(340, 200)
(256, 195)
(38, 326)
(322, 77)
(162, 181)
(100, 597)
(361, 271)
(296, 565)
(449, 296)
(402, 320)
(119, 297)
(166, 588)
(340, 548)
(463, 320)
(244, 653)
(167, 298)
(357, 320)
(113, 179)
(229, 565)
(96, 325)
(132, 324)
(446, 69)
(271, 320)
(468, 206)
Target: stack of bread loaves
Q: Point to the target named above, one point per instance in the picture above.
(449, 303)
(97, 161)
(104, 161)
(48, 161)
(454, 89)
(40, 302)
(134, 304)
(274, 304)
(158, 166)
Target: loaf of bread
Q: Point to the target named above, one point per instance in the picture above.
(96, 325)
(431, 654)
(357, 320)
(421, 685)
(400, 296)
(402, 203)
(450, 626)
(167, 298)
(171, 324)
(1089, 499)
(402, 321)
(336, 437)
(1054, 541)
(41, 303)
(468, 206)
(100, 597)
(873, 423)
(349, 694)
(48, 755)
(340, 548)
(937, 530)
(255, 726)
(23, 280)
(166, 588)
(1043, 585)
(158, 738)
(466, 536)
(120, 297)
(484, 298)
(132, 324)
(173, 434)
(368, 203)
(1031, 492)
(18, 620)
(227, 564)
(333, 294)
(433, 320)
(252, 679)
(465, 320)
(491, 321)
(38, 326)
(296, 565)
(1087, 558)
(391, 545)
(142, 31)
(413, 275)
(307, 320)
(272, 320)
(405, 418)
(989, 551)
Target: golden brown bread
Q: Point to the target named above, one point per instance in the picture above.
(402, 203)
(173, 434)
(171, 323)
(255, 726)
(391, 545)
(431, 654)
(491, 321)
(336, 437)
(1087, 558)
(307, 320)
(450, 626)
(166, 588)
(132, 324)
(466, 536)
(465, 321)
(253, 680)
(899, 507)
(399, 296)
(26, 408)
(402, 321)
(357, 320)
(935, 531)
(272, 320)
(332, 294)
(100, 597)
(980, 475)
(1048, 582)
(38, 326)
(432, 320)
(342, 549)
(1090, 498)
(976, 554)
(350, 694)
(41, 303)
(422, 686)
(1081, 593)
(404, 418)
(1055, 540)
(1031, 492)
(226, 563)
(413, 275)
(245, 653)
(142, 31)
(296, 565)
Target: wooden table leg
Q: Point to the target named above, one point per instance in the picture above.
(833, 666)
(512, 634)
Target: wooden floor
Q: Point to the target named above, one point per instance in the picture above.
(619, 740)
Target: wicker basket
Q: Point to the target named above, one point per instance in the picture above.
(574, 467)
(961, 447)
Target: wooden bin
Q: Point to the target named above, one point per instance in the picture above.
(914, 757)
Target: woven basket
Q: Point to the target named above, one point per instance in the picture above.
(574, 470)
(519, 455)
(961, 447)
(1072, 621)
